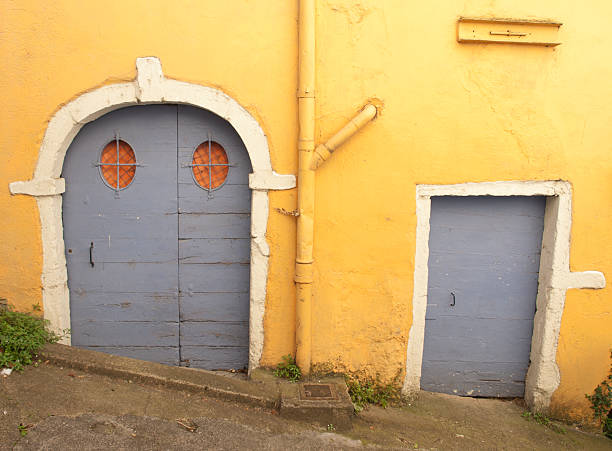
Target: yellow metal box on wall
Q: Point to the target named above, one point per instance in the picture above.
(508, 31)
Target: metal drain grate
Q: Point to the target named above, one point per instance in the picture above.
(317, 391)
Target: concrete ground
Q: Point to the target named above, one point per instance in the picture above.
(62, 408)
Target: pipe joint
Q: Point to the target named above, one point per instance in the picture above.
(303, 272)
(306, 93)
(323, 151)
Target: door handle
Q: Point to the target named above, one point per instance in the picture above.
(91, 262)
(452, 294)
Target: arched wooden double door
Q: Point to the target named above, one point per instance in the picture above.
(156, 219)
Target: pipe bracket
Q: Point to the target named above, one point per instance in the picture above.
(306, 145)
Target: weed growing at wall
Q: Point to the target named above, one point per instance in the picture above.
(21, 337)
(601, 403)
(370, 392)
(287, 369)
(542, 419)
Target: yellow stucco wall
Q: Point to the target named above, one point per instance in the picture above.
(452, 113)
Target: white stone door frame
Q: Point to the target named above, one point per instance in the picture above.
(554, 280)
(149, 87)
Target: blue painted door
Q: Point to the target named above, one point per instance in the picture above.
(214, 247)
(158, 261)
(484, 255)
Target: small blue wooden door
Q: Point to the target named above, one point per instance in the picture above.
(157, 250)
(484, 256)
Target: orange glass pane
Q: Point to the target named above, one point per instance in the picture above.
(108, 164)
(208, 176)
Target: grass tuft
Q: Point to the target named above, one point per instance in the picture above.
(287, 369)
(370, 392)
(22, 336)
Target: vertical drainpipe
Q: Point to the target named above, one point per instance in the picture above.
(306, 184)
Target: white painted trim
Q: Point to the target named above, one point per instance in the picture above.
(555, 278)
(271, 180)
(46, 187)
(150, 87)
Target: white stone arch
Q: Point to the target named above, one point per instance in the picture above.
(149, 87)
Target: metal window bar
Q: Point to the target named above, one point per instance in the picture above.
(117, 164)
(209, 165)
(138, 164)
(192, 165)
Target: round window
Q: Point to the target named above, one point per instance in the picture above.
(210, 165)
(117, 164)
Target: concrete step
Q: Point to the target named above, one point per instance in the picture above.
(323, 400)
